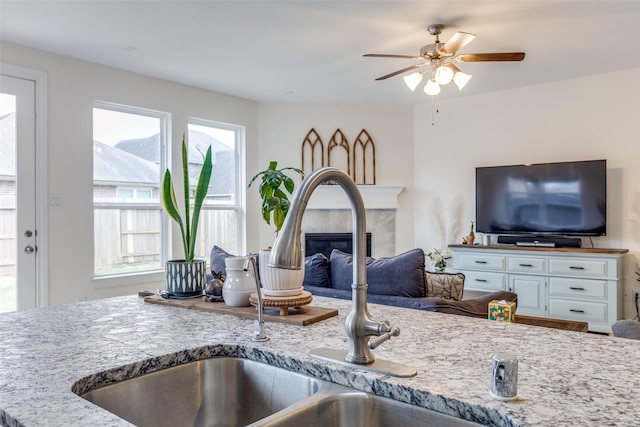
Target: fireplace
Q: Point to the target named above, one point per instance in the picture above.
(326, 242)
(329, 212)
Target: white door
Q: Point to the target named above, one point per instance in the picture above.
(18, 243)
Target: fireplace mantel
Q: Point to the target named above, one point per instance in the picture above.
(373, 196)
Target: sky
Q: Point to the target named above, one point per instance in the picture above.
(7, 104)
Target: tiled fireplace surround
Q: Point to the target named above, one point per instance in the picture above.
(329, 211)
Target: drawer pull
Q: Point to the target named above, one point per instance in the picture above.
(480, 262)
(576, 311)
(574, 288)
(573, 267)
(526, 265)
(481, 280)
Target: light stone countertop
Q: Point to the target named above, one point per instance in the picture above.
(565, 378)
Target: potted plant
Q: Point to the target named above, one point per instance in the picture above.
(187, 277)
(275, 188)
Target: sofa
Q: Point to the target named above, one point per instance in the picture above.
(401, 281)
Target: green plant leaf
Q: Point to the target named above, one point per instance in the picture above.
(201, 193)
(278, 217)
(187, 193)
(288, 184)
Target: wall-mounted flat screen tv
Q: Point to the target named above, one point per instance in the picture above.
(567, 198)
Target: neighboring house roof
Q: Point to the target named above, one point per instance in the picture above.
(136, 160)
(7, 145)
(222, 177)
(113, 165)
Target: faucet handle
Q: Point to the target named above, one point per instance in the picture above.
(375, 342)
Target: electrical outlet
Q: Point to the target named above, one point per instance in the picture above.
(55, 200)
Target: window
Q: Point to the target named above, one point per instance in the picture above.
(220, 222)
(129, 159)
(128, 155)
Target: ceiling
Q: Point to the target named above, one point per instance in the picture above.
(311, 51)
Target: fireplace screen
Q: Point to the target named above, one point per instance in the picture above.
(326, 242)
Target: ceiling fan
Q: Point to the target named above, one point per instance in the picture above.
(440, 57)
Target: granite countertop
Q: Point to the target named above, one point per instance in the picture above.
(565, 378)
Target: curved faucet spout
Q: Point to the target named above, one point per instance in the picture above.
(286, 253)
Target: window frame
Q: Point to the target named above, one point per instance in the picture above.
(153, 275)
(239, 206)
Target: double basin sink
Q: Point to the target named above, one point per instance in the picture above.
(228, 391)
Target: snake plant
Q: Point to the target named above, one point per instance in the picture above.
(188, 224)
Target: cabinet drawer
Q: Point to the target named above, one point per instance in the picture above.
(578, 267)
(482, 262)
(481, 280)
(578, 310)
(577, 288)
(526, 265)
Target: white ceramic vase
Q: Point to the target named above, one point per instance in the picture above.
(239, 284)
(278, 282)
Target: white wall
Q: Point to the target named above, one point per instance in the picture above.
(283, 127)
(596, 117)
(72, 87)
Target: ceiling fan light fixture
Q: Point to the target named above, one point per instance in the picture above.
(413, 80)
(443, 75)
(461, 79)
(432, 88)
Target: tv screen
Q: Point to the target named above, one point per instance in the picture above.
(568, 198)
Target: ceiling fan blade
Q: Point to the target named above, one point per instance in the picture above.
(381, 55)
(479, 57)
(404, 70)
(457, 42)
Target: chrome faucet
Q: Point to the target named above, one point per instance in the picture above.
(259, 333)
(286, 253)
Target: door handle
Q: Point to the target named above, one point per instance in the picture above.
(28, 233)
(29, 249)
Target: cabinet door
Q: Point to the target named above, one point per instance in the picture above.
(531, 294)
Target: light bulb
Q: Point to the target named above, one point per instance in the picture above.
(413, 80)
(444, 75)
(461, 79)
(432, 88)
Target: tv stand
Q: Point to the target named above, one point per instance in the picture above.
(582, 284)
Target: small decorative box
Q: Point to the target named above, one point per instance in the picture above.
(502, 311)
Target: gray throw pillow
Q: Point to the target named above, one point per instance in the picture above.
(316, 271)
(400, 275)
(216, 260)
(445, 285)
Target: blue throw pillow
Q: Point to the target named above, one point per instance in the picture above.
(401, 275)
(316, 271)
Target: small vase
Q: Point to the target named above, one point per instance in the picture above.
(184, 279)
(239, 283)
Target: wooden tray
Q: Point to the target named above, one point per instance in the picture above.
(302, 316)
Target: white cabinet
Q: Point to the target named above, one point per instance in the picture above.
(573, 284)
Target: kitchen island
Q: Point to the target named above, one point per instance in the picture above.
(565, 378)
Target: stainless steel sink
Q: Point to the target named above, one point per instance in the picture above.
(212, 392)
(351, 408)
(238, 392)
